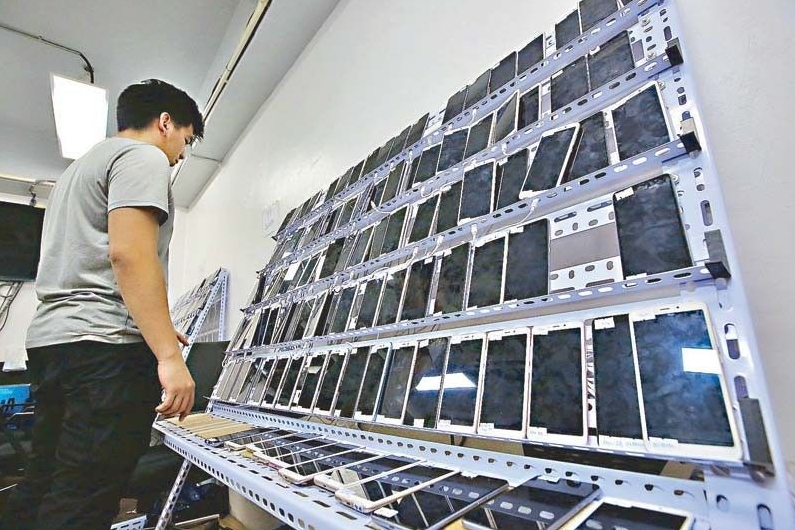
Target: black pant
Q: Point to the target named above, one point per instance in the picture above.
(94, 410)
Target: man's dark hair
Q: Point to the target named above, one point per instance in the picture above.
(141, 103)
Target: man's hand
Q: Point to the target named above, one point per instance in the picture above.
(181, 338)
(178, 387)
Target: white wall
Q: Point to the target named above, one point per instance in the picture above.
(376, 66)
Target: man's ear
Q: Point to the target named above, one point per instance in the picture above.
(164, 122)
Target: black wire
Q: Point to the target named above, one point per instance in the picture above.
(8, 297)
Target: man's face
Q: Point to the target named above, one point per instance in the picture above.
(177, 138)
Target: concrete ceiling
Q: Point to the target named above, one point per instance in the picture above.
(184, 42)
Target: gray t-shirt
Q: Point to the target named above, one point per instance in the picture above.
(79, 298)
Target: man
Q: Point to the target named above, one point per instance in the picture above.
(101, 344)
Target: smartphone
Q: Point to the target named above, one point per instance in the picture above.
(569, 84)
(551, 160)
(305, 469)
(505, 377)
(422, 405)
(460, 384)
(557, 384)
(418, 290)
(536, 503)
(329, 381)
(453, 146)
(372, 383)
(398, 373)
(640, 122)
(645, 209)
(527, 262)
(618, 513)
(477, 193)
(440, 504)
(390, 486)
(450, 288)
(486, 281)
(686, 410)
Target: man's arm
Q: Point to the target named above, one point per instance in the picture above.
(133, 234)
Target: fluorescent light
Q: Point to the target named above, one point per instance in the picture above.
(700, 360)
(451, 381)
(81, 115)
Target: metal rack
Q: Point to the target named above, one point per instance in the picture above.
(748, 491)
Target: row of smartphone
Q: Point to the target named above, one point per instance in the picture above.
(602, 64)
(512, 265)
(406, 493)
(194, 299)
(560, 156)
(648, 381)
(187, 309)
